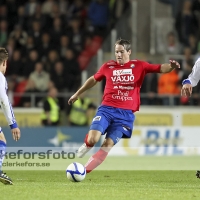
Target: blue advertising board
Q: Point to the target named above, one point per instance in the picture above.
(48, 137)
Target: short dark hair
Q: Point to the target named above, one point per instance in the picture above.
(3, 55)
(125, 43)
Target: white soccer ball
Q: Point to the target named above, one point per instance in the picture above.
(75, 172)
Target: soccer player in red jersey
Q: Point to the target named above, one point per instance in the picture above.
(115, 115)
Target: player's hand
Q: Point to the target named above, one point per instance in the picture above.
(72, 99)
(16, 133)
(174, 64)
(186, 90)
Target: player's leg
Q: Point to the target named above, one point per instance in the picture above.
(99, 125)
(3, 177)
(119, 124)
(90, 140)
(2, 148)
(110, 140)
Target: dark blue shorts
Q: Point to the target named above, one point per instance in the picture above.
(116, 123)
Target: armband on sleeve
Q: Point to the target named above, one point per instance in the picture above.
(186, 81)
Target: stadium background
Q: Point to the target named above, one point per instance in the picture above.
(166, 124)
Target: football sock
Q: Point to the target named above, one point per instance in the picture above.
(95, 160)
(2, 152)
(86, 142)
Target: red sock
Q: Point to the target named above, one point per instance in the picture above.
(86, 142)
(95, 160)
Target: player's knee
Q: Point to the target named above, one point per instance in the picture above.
(107, 144)
(2, 137)
(92, 140)
(93, 137)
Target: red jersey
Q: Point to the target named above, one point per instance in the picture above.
(123, 82)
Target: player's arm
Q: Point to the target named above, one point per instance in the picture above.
(8, 111)
(191, 81)
(168, 67)
(89, 83)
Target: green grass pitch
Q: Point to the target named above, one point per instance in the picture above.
(159, 178)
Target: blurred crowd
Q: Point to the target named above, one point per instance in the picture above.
(51, 41)
(184, 41)
(45, 40)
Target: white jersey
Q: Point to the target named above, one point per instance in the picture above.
(5, 103)
(194, 77)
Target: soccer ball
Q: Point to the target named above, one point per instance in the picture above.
(75, 172)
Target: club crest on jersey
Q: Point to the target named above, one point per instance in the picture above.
(111, 67)
(132, 65)
(122, 72)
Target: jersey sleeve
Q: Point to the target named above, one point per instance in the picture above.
(194, 77)
(151, 68)
(6, 105)
(100, 73)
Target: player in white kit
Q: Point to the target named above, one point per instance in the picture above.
(190, 82)
(8, 112)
